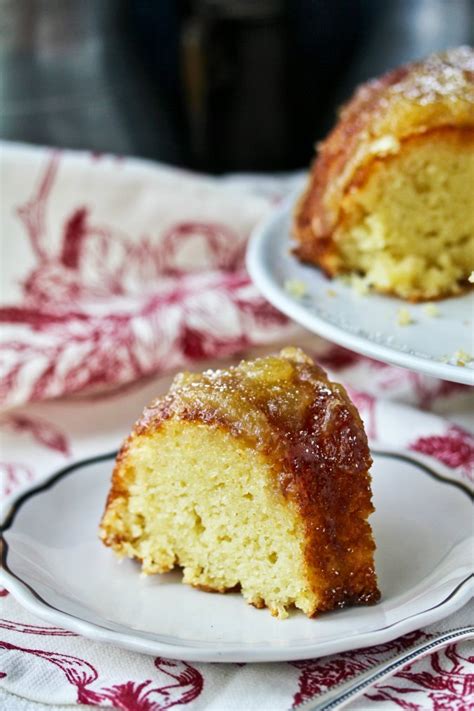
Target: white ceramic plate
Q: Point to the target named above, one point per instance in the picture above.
(366, 324)
(55, 565)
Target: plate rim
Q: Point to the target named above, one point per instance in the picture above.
(132, 640)
(265, 282)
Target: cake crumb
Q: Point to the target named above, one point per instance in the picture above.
(296, 288)
(431, 310)
(331, 293)
(461, 357)
(471, 277)
(404, 317)
(359, 284)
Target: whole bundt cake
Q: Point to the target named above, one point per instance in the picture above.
(253, 478)
(391, 192)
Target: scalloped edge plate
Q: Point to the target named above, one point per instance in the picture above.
(56, 567)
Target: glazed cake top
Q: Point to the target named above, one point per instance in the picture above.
(436, 91)
(427, 95)
(283, 405)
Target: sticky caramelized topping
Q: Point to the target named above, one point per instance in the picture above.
(284, 405)
(450, 74)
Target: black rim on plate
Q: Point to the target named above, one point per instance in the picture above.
(62, 473)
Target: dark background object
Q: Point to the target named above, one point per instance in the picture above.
(218, 85)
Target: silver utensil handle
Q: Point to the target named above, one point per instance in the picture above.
(338, 697)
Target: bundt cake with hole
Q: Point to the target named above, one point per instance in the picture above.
(391, 192)
(253, 478)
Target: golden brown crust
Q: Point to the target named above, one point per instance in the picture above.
(118, 489)
(415, 99)
(310, 431)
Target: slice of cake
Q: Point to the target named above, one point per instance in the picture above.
(253, 478)
(391, 193)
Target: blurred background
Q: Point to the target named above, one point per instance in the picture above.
(215, 85)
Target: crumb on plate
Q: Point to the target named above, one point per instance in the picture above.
(461, 357)
(431, 309)
(296, 288)
(404, 317)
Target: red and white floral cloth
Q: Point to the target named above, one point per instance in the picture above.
(115, 273)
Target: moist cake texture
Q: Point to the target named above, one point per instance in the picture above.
(253, 478)
(391, 192)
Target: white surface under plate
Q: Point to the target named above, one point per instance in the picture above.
(55, 565)
(365, 324)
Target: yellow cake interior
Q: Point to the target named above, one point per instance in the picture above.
(409, 226)
(198, 497)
